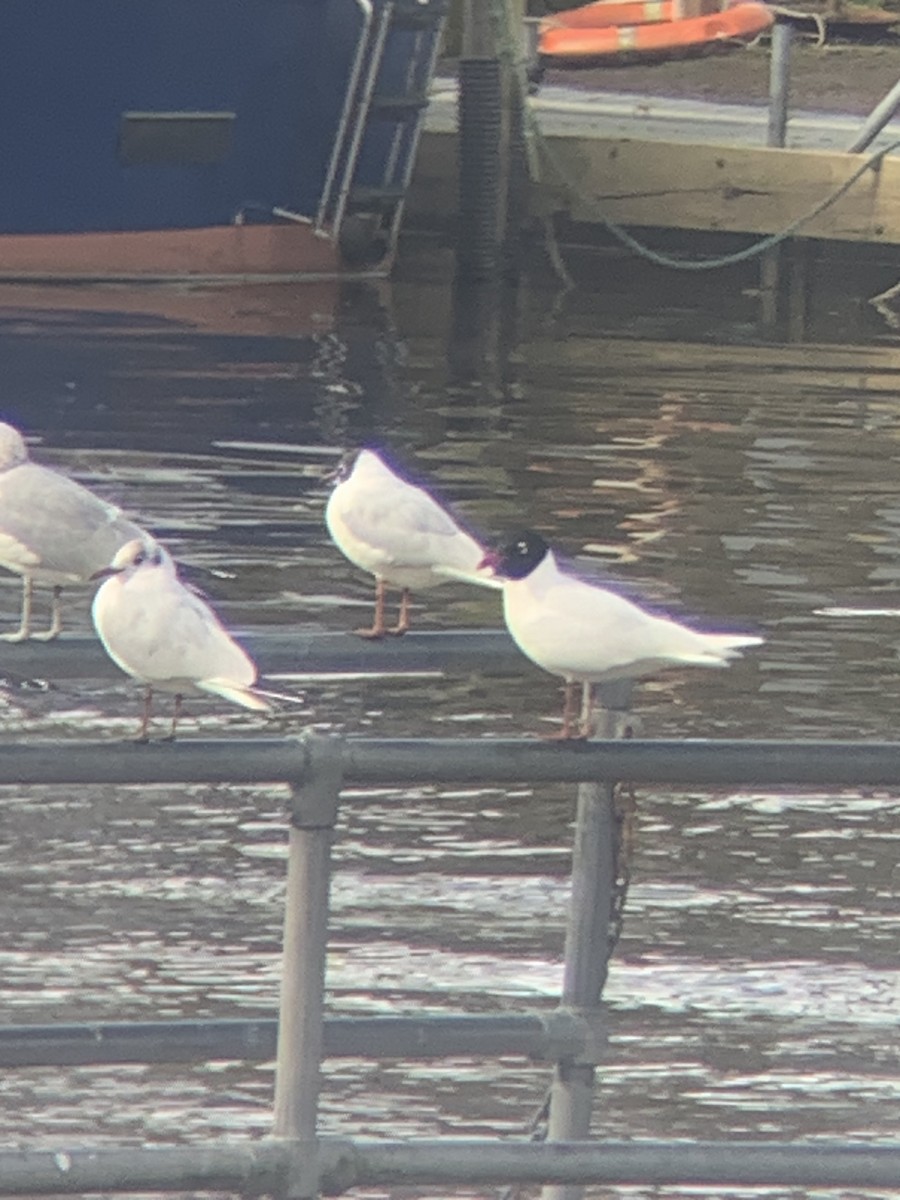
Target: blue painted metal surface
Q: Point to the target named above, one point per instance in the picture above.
(71, 69)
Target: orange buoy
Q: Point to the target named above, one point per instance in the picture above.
(573, 45)
(613, 12)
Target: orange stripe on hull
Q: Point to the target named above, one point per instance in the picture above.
(741, 22)
(230, 251)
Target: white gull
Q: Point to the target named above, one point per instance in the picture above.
(399, 533)
(588, 634)
(165, 636)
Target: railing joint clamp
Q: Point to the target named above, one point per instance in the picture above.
(575, 1035)
(315, 798)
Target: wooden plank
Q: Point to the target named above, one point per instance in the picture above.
(735, 189)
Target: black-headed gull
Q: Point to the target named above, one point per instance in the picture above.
(397, 532)
(163, 635)
(52, 530)
(589, 635)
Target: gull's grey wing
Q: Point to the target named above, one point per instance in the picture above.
(411, 529)
(52, 524)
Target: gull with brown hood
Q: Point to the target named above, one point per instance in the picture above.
(398, 532)
(165, 636)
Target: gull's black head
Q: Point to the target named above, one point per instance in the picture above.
(518, 555)
(370, 459)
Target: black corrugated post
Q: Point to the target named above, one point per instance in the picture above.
(493, 191)
(592, 909)
(314, 811)
(492, 174)
(480, 231)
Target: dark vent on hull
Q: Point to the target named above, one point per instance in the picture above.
(178, 139)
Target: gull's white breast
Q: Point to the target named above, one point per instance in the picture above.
(158, 631)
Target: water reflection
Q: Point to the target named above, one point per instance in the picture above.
(641, 426)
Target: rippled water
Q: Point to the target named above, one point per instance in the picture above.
(643, 423)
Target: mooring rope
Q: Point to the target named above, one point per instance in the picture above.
(769, 242)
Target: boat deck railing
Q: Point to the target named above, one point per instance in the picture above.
(297, 1160)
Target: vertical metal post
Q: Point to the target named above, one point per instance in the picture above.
(798, 289)
(779, 81)
(779, 90)
(514, 187)
(314, 807)
(591, 910)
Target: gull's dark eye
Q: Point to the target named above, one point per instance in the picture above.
(139, 558)
(156, 558)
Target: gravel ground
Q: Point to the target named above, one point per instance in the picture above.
(837, 77)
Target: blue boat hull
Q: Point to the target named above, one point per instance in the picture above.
(140, 122)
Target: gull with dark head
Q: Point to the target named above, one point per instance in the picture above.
(165, 636)
(52, 530)
(590, 635)
(399, 533)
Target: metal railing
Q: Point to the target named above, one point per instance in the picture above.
(779, 88)
(710, 763)
(304, 652)
(296, 1161)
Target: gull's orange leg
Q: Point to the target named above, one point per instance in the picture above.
(143, 734)
(377, 629)
(587, 709)
(403, 619)
(176, 716)
(567, 733)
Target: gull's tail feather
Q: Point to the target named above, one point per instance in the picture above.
(719, 649)
(486, 581)
(282, 697)
(246, 697)
(731, 644)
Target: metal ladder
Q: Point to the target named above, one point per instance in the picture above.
(374, 104)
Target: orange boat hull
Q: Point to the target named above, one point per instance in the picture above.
(583, 44)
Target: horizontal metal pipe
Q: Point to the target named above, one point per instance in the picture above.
(817, 763)
(345, 1164)
(304, 652)
(459, 760)
(246, 1168)
(81, 1044)
(434, 1162)
(201, 760)
(550, 1037)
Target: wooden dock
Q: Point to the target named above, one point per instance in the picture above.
(638, 169)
